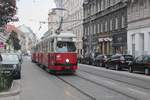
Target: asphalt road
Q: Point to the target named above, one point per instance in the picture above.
(89, 83)
(136, 86)
(37, 84)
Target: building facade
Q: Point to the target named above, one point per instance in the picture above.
(139, 27)
(105, 26)
(28, 38)
(58, 3)
(53, 20)
(73, 20)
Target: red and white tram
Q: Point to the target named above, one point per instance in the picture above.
(57, 53)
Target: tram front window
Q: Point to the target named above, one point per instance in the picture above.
(66, 47)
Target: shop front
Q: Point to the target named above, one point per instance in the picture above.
(104, 45)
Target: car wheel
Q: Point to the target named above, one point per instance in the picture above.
(106, 66)
(101, 65)
(147, 71)
(130, 69)
(18, 76)
(117, 67)
(93, 63)
(98, 64)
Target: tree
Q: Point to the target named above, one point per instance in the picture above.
(14, 41)
(7, 11)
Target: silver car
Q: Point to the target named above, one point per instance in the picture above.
(10, 63)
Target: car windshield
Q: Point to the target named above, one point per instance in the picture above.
(116, 56)
(65, 47)
(9, 58)
(146, 59)
(99, 56)
(128, 57)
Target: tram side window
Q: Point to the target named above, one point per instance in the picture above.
(51, 46)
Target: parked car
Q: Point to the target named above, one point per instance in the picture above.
(10, 62)
(89, 58)
(141, 63)
(100, 60)
(119, 61)
(85, 59)
(92, 57)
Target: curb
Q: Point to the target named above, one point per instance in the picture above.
(13, 91)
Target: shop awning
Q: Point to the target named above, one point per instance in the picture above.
(105, 39)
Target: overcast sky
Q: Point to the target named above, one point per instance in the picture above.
(31, 12)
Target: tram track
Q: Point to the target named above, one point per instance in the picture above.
(78, 89)
(106, 87)
(85, 93)
(124, 82)
(122, 75)
(93, 82)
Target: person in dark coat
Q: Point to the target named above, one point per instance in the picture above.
(1, 57)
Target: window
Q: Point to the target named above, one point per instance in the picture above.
(123, 22)
(88, 31)
(109, 3)
(146, 4)
(98, 6)
(133, 39)
(106, 3)
(111, 24)
(139, 59)
(116, 23)
(98, 30)
(10, 58)
(106, 28)
(65, 46)
(94, 28)
(146, 59)
(101, 27)
(102, 4)
(94, 7)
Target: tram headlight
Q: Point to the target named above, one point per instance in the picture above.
(67, 60)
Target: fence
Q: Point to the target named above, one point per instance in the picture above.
(6, 80)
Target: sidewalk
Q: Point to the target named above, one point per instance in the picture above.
(13, 93)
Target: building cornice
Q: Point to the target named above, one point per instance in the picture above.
(137, 20)
(105, 12)
(139, 27)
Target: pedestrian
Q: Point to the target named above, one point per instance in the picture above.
(0, 57)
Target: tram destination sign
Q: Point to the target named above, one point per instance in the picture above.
(65, 39)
